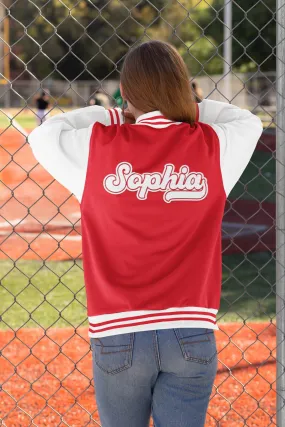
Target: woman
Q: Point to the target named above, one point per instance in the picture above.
(152, 192)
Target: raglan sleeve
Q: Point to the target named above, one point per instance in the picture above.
(238, 131)
(61, 144)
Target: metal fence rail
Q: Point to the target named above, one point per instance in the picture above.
(280, 214)
(76, 49)
(250, 88)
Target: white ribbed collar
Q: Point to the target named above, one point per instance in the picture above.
(151, 116)
(155, 119)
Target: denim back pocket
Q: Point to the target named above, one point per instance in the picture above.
(113, 354)
(197, 344)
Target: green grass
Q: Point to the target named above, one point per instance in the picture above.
(32, 294)
(26, 121)
(54, 295)
(248, 290)
(258, 180)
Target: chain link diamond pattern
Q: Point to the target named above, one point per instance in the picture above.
(76, 49)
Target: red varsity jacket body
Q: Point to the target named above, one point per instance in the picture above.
(152, 197)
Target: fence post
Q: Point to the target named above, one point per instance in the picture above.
(280, 213)
(228, 28)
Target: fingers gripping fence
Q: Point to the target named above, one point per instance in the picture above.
(74, 50)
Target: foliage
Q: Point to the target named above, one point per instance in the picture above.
(254, 33)
(87, 39)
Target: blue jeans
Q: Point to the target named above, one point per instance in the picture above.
(167, 373)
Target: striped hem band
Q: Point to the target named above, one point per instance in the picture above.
(135, 321)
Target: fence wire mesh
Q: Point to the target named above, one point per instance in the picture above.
(74, 50)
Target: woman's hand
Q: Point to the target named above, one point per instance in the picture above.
(128, 116)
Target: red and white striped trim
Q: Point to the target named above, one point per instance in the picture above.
(156, 120)
(135, 321)
(115, 115)
(157, 126)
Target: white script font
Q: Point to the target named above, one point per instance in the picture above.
(177, 186)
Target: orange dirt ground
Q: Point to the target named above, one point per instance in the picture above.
(59, 367)
(28, 211)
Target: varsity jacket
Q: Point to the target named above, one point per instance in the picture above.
(152, 197)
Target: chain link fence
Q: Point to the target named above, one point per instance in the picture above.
(75, 49)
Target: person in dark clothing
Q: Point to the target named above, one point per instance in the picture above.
(42, 103)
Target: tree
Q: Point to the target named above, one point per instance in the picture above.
(180, 25)
(254, 33)
(86, 39)
(76, 40)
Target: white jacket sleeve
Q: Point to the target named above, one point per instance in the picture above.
(61, 144)
(238, 131)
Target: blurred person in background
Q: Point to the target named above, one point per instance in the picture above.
(118, 97)
(92, 101)
(152, 182)
(42, 102)
(101, 99)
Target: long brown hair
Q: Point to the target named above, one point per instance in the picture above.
(155, 77)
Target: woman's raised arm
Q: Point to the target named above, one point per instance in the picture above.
(61, 144)
(238, 131)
